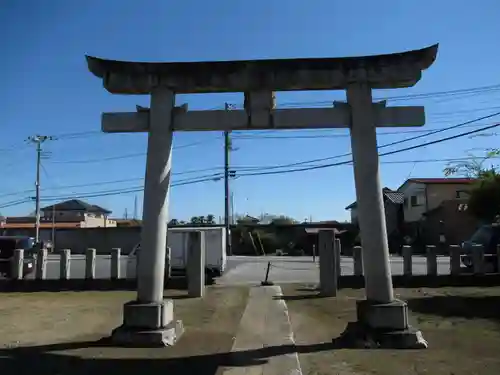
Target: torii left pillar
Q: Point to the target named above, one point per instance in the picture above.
(150, 320)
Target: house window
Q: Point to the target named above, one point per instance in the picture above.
(414, 200)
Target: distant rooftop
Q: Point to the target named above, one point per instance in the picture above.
(76, 205)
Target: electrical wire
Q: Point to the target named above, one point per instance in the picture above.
(382, 154)
(437, 131)
(218, 177)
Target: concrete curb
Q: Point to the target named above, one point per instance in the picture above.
(264, 343)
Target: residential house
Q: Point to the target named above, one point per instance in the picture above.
(432, 205)
(89, 215)
(73, 213)
(452, 218)
(394, 216)
(424, 194)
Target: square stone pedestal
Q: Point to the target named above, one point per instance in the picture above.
(382, 325)
(148, 324)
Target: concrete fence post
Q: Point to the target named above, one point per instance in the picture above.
(65, 264)
(115, 271)
(407, 260)
(455, 252)
(327, 267)
(196, 264)
(478, 259)
(168, 264)
(431, 260)
(41, 264)
(90, 257)
(357, 254)
(338, 258)
(18, 264)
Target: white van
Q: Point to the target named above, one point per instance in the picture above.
(177, 240)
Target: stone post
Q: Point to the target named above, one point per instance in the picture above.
(357, 254)
(327, 267)
(455, 252)
(431, 256)
(41, 264)
(478, 259)
(65, 264)
(380, 317)
(115, 271)
(150, 319)
(338, 258)
(407, 260)
(196, 264)
(18, 264)
(90, 258)
(371, 213)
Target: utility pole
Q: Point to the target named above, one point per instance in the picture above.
(135, 207)
(227, 150)
(38, 140)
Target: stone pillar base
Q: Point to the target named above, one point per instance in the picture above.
(381, 326)
(148, 325)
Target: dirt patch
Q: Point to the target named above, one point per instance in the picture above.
(462, 326)
(56, 333)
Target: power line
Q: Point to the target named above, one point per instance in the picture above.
(257, 168)
(437, 131)
(346, 135)
(383, 154)
(62, 187)
(126, 156)
(15, 203)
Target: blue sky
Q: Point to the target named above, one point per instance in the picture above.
(47, 89)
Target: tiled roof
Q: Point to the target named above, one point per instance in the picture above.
(76, 205)
(391, 195)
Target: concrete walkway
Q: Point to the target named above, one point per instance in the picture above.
(264, 334)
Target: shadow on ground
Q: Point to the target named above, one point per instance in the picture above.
(54, 285)
(300, 297)
(45, 360)
(470, 307)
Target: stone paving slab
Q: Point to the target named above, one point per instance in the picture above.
(265, 327)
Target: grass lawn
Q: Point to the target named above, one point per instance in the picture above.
(462, 326)
(55, 333)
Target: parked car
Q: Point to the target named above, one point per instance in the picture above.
(489, 237)
(7, 246)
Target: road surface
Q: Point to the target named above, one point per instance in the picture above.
(248, 270)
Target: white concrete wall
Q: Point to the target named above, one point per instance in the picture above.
(354, 215)
(414, 213)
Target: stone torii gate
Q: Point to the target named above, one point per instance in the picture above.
(149, 319)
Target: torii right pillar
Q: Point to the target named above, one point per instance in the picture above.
(382, 320)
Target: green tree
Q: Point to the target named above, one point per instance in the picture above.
(484, 197)
(195, 220)
(474, 167)
(210, 219)
(484, 200)
(283, 220)
(173, 222)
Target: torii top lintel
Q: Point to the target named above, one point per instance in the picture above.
(395, 70)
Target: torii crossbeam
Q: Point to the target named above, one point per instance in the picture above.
(150, 316)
